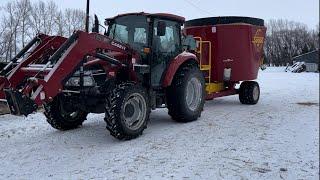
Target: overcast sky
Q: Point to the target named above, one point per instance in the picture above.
(305, 11)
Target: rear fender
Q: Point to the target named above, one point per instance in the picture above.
(174, 65)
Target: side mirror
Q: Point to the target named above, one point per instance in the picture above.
(161, 28)
(96, 25)
(189, 43)
(106, 22)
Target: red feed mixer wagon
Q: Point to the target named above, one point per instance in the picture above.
(230, 50)
(140, 63)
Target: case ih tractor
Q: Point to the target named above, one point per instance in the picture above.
(143, 62)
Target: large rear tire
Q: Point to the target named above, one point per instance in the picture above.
(186, 95)
(249, 92)
(127, 111)
(63, 120)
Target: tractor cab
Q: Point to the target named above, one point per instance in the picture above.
(156, 37)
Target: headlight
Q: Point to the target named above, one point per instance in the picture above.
(88, 80)
(74, 81)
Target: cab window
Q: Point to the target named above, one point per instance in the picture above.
(170, 42)
(140, 36)
(132, 30)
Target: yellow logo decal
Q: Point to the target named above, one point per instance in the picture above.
(258, 40)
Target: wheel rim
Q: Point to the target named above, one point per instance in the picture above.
(256, 93)
(194, 93)
(72, 116)
(134, 111)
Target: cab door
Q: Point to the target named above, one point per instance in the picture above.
(166, 46)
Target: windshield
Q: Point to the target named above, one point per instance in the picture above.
(132, 30)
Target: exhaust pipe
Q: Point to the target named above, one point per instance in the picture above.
(87, 16)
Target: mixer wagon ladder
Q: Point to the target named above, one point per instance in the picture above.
(200, 51)
(211, 87)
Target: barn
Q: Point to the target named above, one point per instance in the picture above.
(311, 60)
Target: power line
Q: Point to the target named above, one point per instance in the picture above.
(197, 7)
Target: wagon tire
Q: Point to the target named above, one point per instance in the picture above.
(127, 111)
(186, 95)
(63, 122)
(249, 92)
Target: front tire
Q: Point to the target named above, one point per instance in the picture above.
(186, 95)
(249, 92)
(63, 121)
(127, 111)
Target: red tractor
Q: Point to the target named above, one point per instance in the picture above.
(142, 62)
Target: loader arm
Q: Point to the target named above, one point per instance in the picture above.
(46, 81)
(69, 58)
(22, 69)
(11, 74)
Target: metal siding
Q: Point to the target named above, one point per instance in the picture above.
(312, 57)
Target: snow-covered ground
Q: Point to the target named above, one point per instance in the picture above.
(275, 139)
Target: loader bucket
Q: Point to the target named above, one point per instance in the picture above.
(4, 107)
(19, 104)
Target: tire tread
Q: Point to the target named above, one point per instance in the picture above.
(112, 112)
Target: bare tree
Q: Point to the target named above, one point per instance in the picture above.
(286, 39)
(2, 42)
(11, 22)
(59, 24)
(24, 8)
(22, 20)
(43, 17)
(37, 14)
(74, 20)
